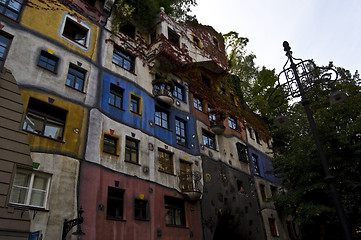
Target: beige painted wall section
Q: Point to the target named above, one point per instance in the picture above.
(61, 201)
(47, 20)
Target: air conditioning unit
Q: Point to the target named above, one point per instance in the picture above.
(108, 4)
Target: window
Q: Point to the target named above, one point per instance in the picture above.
(115, 203)
(161, 118)
(263, 192)
(174, 211)
(197, 103)
(273, 227)
(116, 96)
(5, 41)
(211, 116)
(209, 139)
(165, 161)
(173, 37)
(141, 209)
(178, 91)
(255, 164)
(11, 8)
(128, 29)
(257, 137)
(75, 78)
(134, 104)
(232, 123)
(180, 130)
(250, 133)
(197, 41)
(131, 150)
(242, 152)
(44, 119)
(123, 59)
(75, 32)
(48, 61)
(186, 176)
(30, 189)
(110, 144)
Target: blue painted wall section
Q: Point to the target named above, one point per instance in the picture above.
(142, 122)
(264, 164)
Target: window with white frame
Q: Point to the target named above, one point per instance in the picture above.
(76, 31)
(30, 188)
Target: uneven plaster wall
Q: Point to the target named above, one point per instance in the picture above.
(229, 204)
(61, 202)
(148, 151)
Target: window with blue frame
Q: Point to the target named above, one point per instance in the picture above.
(123, 59)
(180, 130)
(178, 91)
(76, 77)
(11, 8)
(161, 118)
(116, 96)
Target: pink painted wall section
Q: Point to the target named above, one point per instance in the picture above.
(93, 192)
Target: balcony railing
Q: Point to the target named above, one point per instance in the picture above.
(190, 184)
(163, 93)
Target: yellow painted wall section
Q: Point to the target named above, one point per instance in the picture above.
(47, 19)
(74, 131)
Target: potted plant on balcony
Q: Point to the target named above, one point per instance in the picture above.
(217, 122)
(163, 89)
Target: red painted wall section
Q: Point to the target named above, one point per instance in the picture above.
(93, 193)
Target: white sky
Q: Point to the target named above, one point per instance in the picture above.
(323, 30)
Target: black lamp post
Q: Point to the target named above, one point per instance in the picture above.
(69, 224)
(301, 76)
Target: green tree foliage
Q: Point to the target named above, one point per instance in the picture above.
(143, 12)
(307, 197)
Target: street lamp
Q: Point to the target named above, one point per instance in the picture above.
(69, 224)
(299, 78)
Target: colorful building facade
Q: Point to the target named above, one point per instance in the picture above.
(139, 129)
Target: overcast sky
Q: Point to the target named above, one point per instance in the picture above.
(323, 30)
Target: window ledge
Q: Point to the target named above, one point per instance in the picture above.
(166, 172)
(163, 127)
(116, 107)
(135, 113)
(132, 163)
(75, 89)
(125, 68)
(110, 153)
(26, 207)
(56, 140)
(116, 219)
(53, 72)
(142, 219)
(176, 226)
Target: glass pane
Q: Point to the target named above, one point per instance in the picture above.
(33, 124)
(54, 130)
(111, 98)
(70, 80)
(22, 179)
(117, 59)
(127, 154)
(134, 155)
(15, 5)
(37, 198)
(118, 101)
(18, 195)
(40, 183)
(11, 14)
(127, 65)
(178, 217)
(169, 216)
(79, 84)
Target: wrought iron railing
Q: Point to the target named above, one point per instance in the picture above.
(190, 181)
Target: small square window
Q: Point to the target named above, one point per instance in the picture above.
(209, 139)
(197, 104)
(116, 96)
(232, 123)
(165, 161)
(75, 32)
(161, 118)
(123, 59)
(180, 130)
(115, 203)
(131, 150)
(135, 104)
(11, 8)
(76, 77)
(48, 61)
(5, 41)
(110, 144)
(141, 209)
(174, 211)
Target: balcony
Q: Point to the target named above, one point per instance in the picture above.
(190, 184)
(166, 56)
(163, 91)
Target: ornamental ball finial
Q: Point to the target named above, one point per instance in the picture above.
(162, 9)
(286, 46)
